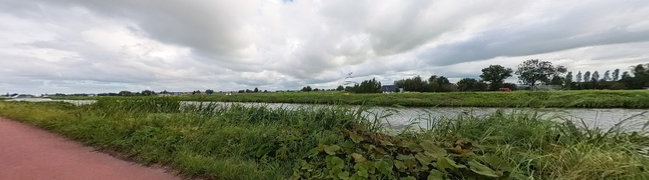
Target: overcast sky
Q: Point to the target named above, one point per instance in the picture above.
(91, 46)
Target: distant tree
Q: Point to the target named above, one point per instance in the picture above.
(147, 93)
(557, 80)
(125, 93)
(587, 76)
(616, 74)
(640, 77)
(626, 74)
(469, 84)
(532, 71)
(340, 88)
(209, 91)
(367, 86)
(196, 92)
(316, 89)
(439, 84)
(242, 91)
(256, 90)
(607, 76)
(165, 92)
(416, 84)
(568, 78)
(306, 89)
(579, 76)
(595, 77)
(495, 75)
(248, 91)
(568, 81)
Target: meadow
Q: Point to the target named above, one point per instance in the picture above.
(537, 99)
(236, 142)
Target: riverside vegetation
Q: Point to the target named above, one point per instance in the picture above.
(557, 99)
(237, 142)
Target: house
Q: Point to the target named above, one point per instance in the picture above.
(390, 89)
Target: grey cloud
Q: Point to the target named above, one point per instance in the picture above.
(576, 27)
(189, 45)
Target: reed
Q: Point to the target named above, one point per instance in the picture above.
(212, 141)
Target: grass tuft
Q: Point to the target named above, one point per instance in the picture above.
(208, 140)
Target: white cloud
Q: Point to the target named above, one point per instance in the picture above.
(98, 46)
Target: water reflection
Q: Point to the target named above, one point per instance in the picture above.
(399, 118)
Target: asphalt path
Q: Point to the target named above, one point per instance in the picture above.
(27, 152)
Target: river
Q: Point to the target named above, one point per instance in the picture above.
(400, 118)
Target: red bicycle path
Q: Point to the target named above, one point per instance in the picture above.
(27, 152)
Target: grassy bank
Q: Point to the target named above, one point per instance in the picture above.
(337, 143)
(559, 99)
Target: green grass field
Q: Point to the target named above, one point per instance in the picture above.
(217, 142)
(558, 99)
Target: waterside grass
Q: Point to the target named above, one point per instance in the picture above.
(537, 99)
(237, 142)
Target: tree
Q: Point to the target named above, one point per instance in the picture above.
(495, 75)
(147, 93)
(125, 93)
(340, 88)
(532, 71)
(367, 86)
(587, 76)
(470, 84)
(607, 76)
(416, 84)
(568, 78)
(196, 92)
(579, 76)
(626, 75)
(557, 80)
(595, 77)
(616, 74)
(209, 91)
(640, 77)
(256, 90)
(439, 84)
(306, 89)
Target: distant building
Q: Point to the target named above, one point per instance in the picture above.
(23, 96)
(390, 89)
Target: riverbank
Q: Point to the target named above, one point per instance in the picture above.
(238, 142)
(537, 99)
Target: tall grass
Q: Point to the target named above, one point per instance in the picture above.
(524, 144)
(214, 141)
(233, 142)
(559, 99)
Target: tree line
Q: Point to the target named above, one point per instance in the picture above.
(637, 79)
(531, 73)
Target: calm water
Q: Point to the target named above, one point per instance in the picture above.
(399, 118)
(75, 102)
